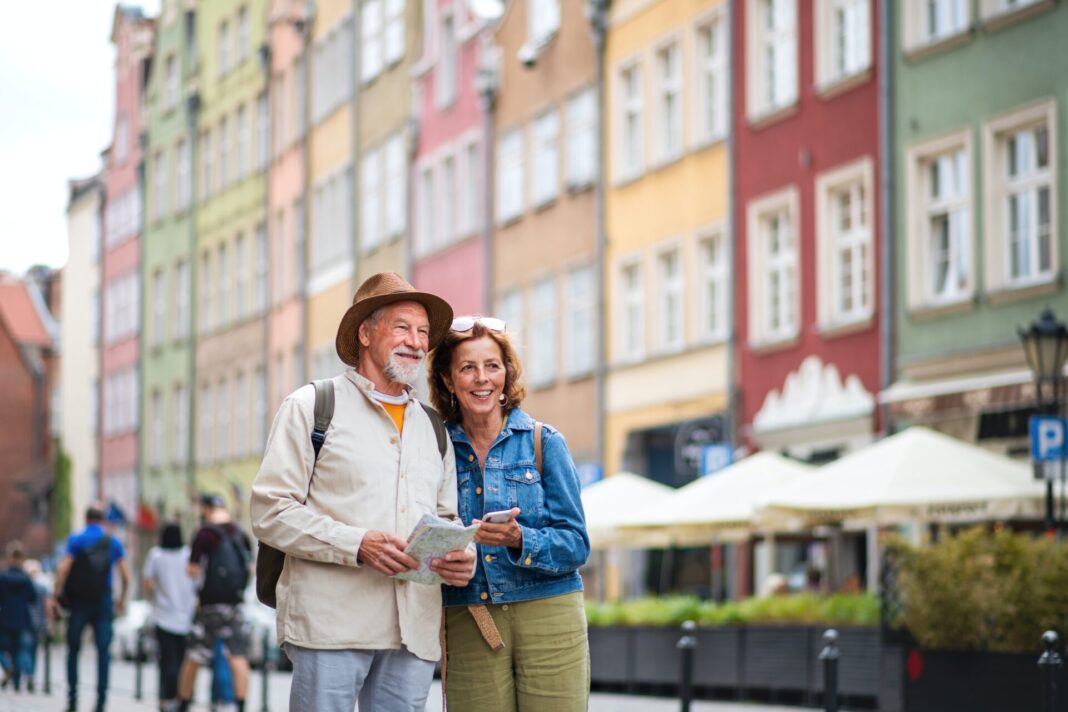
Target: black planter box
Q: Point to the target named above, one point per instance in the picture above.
(611, 655)
(718, 658)
(777, 657)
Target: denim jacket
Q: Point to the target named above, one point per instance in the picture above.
(555, 543)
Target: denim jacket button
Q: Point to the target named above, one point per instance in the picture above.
(478, 490)
(483, 595)
(530, 476)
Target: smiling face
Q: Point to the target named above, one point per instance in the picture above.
(477, 376)
(393, 342)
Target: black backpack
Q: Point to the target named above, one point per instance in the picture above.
(87, 580)
(269, 561)
(226, 573)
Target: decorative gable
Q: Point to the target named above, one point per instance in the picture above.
(813, 394)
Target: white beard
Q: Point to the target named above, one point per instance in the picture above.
(401, 372)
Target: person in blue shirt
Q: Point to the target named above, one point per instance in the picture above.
(17, 596)
(515, 635)
(83, 585)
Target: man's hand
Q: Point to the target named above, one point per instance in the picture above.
(509, 534)
(456, 568)
(384, 553)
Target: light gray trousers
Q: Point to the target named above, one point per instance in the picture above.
(382, 680)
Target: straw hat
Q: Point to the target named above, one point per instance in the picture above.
(378, 291)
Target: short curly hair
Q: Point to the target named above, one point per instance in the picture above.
(441, 361)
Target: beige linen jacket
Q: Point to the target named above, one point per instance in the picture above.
(367, 477)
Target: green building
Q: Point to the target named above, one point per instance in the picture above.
(231, 247)
(167, 266)
(977, 129)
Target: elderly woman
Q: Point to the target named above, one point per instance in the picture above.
(527, 578)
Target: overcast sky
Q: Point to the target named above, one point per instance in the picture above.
(57, 92)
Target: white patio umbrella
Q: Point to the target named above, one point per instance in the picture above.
(915, 475)
(610, 501)
(720, 506)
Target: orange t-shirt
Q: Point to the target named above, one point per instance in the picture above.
(396, 411)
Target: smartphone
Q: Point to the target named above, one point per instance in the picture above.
(501, 517)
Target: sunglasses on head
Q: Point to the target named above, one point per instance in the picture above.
(466, 323)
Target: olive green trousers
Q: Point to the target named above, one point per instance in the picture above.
(544, 666)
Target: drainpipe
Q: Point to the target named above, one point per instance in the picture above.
(487, 82)
(886, 314)
(265, 65)
(597, 15)
(357, 152)
(304, 26)
(733, 401)
(192, 104)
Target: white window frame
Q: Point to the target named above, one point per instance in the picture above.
(183, 152)
(545, 158)
(629, 159)
(630, 316)
(262, 266)
(510, 308)
(159, 307)
(241, 293)
(510, 174)
(669, 100)
(263, 131)
(223, 409)
(579, 319)
(859, 242)
(206, 418)
(205, 312)
(223, 275)
(784, 202)
(426, 202)
(393, 43)
(207, 165)
(180, 443)
(396, 170)
(223, 47)
(182, 298)
(371, 200)
(241, 441)
(371, 32)
(842, 52)
(543, 21)
(446, 73)
(581, 140)
(473, 187)
(159, 184)
(916, 33)
(171, 86)
(244, 34)
(155, 448)
(765, 97)
(997, 13)
(997, 186)
(670, 298)
(223, 143)
(712, 282)
(710, 115)
(448, 198)
(243, 143)
(544, 318)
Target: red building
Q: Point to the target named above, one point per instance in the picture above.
(27, 364)
(807, 217)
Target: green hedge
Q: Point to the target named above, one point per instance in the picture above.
(839, 609)
(983, 591)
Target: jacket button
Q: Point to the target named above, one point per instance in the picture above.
(483, 595)
(488, 557)
(530, 476)
(527, 561)
(478, 490)
(470, 458)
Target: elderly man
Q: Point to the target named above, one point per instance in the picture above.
(352, 630)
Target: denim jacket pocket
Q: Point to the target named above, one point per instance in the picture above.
(524, 490)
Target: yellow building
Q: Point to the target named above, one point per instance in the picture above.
(667, 258)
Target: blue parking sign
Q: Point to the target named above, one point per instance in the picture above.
(1047, 438)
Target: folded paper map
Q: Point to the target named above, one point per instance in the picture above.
(432, 538)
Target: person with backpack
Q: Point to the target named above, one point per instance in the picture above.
(18, 596)
(344, 480)
(83, 586)
(219, 559)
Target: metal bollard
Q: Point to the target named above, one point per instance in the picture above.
(266, 668)
(139, 656)
(47, 662)
(829, 656)
(686, 645)
(1049, 665)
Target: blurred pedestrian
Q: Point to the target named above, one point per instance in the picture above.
(83, 586)
(38, 613)
(219, 559)
(17, 596)
(173, 593)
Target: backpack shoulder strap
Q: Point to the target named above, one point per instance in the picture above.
(537, 445)
(439, 428)
(324, 412)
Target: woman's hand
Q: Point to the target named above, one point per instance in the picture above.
(457, 567)
(509, 534)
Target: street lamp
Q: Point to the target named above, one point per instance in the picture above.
(1045, 344)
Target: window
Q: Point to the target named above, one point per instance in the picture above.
(241, 407)
(222, 421)
(206, 418)
(159, 185)
(244, 39)
(204, 317)
(631, 140)
(332, 83)
(1020, 206)
(448, 199)
(299, 97)
(993, 9)
(223, 277)
(543, 20)
(259, 409)
(371, 200)
(185, 174)
(579, 327)
(845, 240)
(711, 81)
(298, 246)
(371, 19)
(771, 56)
(243, 138)
(427, 226)
(396, 187)
(263, 131)
(843, 44)
(543, 333)
(669, 307)
(510, 310)
(206, 166)
(582, 139)
(241, 278)
(545, 163)
(180, 450)
(510, 176)
(260, 296)
(445, 73)
(927, 22)
(122, 139)
(171, 88)
(712, 284)
(224, 48)
(394, 37)
(182, 288)
(774, 290)
(331, 225)
(669, 103)
(224, 154)
(298, 366)
(632, 312)
(159, 307)
(155, 448)
(278, 257)
(471, 189)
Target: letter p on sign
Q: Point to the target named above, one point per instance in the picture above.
(1047, 438)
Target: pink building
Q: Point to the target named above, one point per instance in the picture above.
(448, 178)
(285, 199)
(119, 302)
